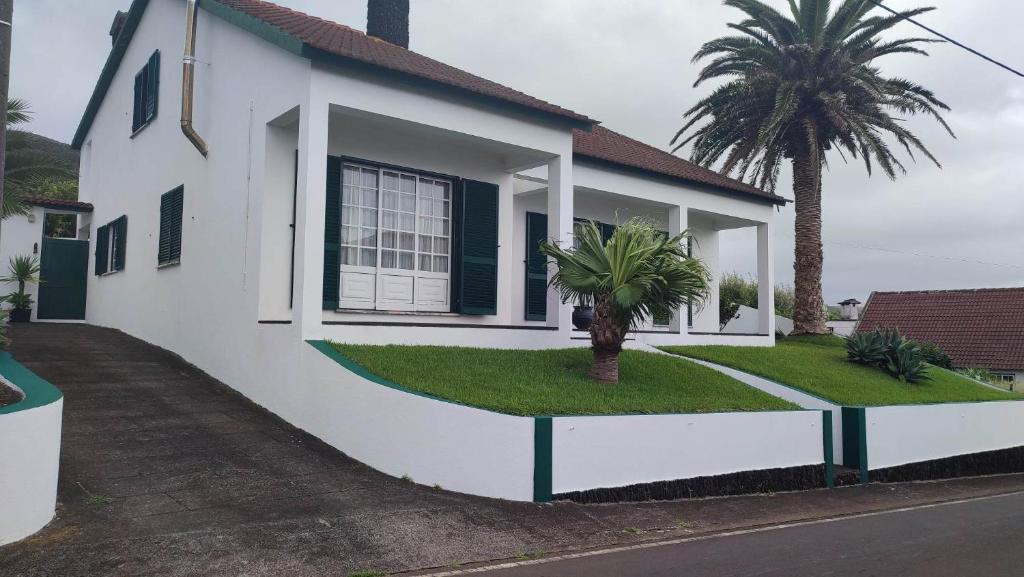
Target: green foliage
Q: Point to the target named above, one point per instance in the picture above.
(639, 270)
(35, 165)
(819, 366)
(555, 382)
(23, 269)
(890, 351)
(934, 355)
(865, 348)
(804, 84)
(735, 289)
(4, 341)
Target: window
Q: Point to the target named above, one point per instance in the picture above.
(110, 246)
(395, 245)
(60, 225)
(171, 205)
(147, 92)
(1007, 378)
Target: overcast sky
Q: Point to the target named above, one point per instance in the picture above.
(628, 65)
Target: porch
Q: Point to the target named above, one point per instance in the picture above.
(417, 233)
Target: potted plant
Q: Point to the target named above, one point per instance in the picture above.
(583, 313)
(22, 270)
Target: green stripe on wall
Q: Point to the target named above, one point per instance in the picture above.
(38, 392)
(827, 442)
(542, 427)
(855, 440)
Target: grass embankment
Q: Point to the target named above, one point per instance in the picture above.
(818, 366)
(554, 382)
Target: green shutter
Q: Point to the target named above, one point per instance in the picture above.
(536, 267)
(171, 207)
(152, 85)
(607, 230)
(137, 104)
(120, 241)
(332, 235)
(476, 286)
(663, 318)
(689, 304)
(102, 240)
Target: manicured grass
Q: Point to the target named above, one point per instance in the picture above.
(554, 382)
(818, 366)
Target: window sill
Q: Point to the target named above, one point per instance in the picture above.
(109, 272)
(168, 264)
(397, 313)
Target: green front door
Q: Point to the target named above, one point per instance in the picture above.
(64, 268)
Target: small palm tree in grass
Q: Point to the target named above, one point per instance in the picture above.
(796, 87)
(638, 273)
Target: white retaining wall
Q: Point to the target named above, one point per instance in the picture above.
(29, 459)
(617, 451)
(898, 435)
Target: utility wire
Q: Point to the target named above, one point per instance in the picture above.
(947, 38)
(925, 255)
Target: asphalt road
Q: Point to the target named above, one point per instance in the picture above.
(977, 538)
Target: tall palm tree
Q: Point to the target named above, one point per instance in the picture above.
(638, 273)
(797, 87)
(29, 167)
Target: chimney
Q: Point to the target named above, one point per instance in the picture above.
(118, 24)
(389, 21)
(849, 310)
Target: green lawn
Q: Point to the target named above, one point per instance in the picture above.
(818, 366)
(554, 382)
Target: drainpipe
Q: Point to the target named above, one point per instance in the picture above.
(188, 72)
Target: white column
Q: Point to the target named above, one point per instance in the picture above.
(310, 211)
(560, 212)
(677, 223)
(765, 282)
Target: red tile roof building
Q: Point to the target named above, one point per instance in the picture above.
(978, 328)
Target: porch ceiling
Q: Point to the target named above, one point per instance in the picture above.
(514, 158)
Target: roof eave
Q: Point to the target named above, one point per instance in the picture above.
(774, 200)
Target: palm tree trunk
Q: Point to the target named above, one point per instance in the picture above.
(809, 306)
(606, 337)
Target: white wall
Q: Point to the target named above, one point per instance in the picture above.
(21, 235)
(904, 434)
(603, 452)
(30, 456)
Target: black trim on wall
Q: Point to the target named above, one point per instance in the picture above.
(398, 167)
(972, 465)
(438, 325)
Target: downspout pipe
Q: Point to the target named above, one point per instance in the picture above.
(188, 73)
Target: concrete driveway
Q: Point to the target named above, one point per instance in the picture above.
(165, 471)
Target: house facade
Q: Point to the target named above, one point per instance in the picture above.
(329, 185)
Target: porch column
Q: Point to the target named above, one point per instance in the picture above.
(560, 212)
(310, 211)
(765, 282)
(677, 223)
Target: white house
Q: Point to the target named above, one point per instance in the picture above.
(340, 186)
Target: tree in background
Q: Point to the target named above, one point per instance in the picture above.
(798, 86)
(36, 166)
(735, 289)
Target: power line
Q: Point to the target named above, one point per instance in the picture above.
(947, 38)
(925, 255)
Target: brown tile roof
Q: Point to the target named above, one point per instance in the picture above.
(59, 204)
(611, 147)
(351, 44)
(979, 328)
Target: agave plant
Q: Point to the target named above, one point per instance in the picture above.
(638, 273)
(796, 87)
(890, 351)
(865, 348)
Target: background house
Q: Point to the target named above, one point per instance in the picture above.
(978, 328)
(848, 312)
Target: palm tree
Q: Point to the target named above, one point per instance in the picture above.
(29, 167)
(637, 274)
(796, 88)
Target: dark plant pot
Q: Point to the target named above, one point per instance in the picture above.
(582, 317)
(21, 315)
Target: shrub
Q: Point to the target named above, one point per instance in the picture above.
(936, 356)
(888, 350)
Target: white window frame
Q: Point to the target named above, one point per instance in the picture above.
(377, 278)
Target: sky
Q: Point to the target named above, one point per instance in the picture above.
(628, 65)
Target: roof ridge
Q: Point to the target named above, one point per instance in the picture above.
(963, 290)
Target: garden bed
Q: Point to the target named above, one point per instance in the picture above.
(554, 382)
(818, 365)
